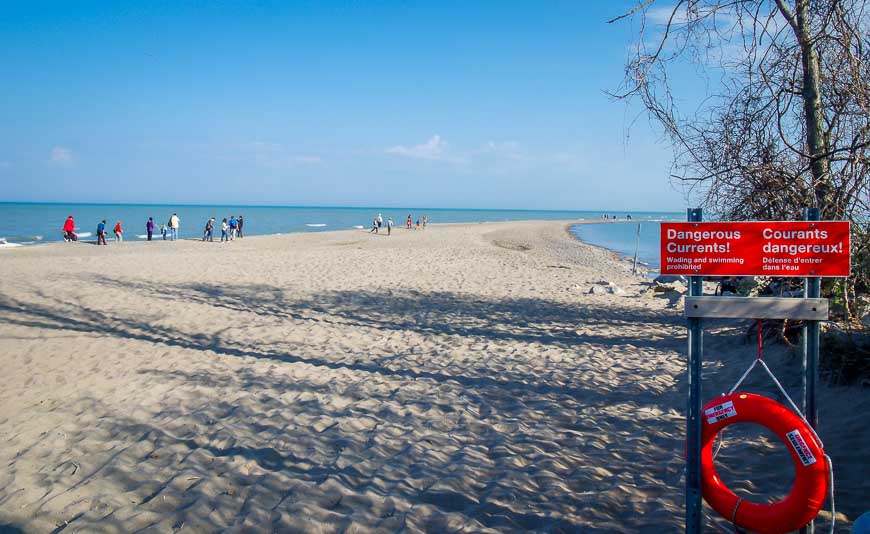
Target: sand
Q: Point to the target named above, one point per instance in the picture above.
(456, 379)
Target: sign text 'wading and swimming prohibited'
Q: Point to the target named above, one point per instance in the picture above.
(799, 248)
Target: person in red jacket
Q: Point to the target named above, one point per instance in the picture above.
(119, 234)
(69, 230)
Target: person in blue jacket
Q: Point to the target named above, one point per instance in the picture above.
(234, 224)
(101, 233)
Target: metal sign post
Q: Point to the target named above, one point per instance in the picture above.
(810, 346)
(693, 412)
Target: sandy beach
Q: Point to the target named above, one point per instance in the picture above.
(456, 379)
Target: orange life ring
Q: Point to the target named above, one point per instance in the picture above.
(807, 494)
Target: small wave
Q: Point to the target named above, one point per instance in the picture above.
(37, 238)
(315, 225)
(84, 234)
(143, 236)
(359, 227)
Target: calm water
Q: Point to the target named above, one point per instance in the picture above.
(622, 237)
(29, 223)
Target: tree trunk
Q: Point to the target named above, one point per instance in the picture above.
(811, 94)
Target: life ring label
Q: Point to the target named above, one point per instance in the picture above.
(800, 447)
(719, 412)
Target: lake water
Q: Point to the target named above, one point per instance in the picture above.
(622, 237)
(30, 223)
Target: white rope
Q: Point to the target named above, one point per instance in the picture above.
(742, 378)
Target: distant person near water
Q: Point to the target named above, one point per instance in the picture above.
(119, 233)
(380, 221)
(425, 221)
(163, 231)
(418, 225)
(224, 228)
(389, 225)
(408, 222)
(149, 227)
(208, 233)
(69, 230)
(241, 222)
(174, 225)
(234, 224)
(374, 226)
(101, 233)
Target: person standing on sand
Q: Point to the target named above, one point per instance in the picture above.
(101, 233)
(418, 225)
(233, 225)
(389, 225)
(425, 221)
(149, 228)
(174, 225)
(224, 227)
(380, 221)
(408, 222)
(69, 230)
(119, 233)
(163, 231)
(241, 222)
(209, 230)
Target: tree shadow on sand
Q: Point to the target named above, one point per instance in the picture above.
(410, 448)
(288, 458)
(523, 319)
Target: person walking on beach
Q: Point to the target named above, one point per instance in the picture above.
(69, 230)
(374, 225)
(209, 230)
(234, 224)
(408, 222)
(389, 225)
(174, 225)
(241, 222)
(149, 227)
(224, 227)
(119, 233)
(101, 233)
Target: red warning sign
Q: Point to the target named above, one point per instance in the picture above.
(756, 248)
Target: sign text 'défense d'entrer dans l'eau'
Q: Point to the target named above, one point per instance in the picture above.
(799, 248)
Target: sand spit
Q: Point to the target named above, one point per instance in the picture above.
(457, 379)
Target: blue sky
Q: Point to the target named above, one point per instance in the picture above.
(441, 104)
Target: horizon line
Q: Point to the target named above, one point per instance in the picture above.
(54, 203)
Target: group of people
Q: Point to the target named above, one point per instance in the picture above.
(418, 227)
(378, 222)
(614, 217)
(169, 230)
(229, 229)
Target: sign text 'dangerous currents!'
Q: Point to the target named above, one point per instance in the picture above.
(756, 248)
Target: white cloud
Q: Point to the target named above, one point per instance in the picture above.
(433, 149)
(724, 15)
(62, 157)
(271, 155)
(504, 149)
